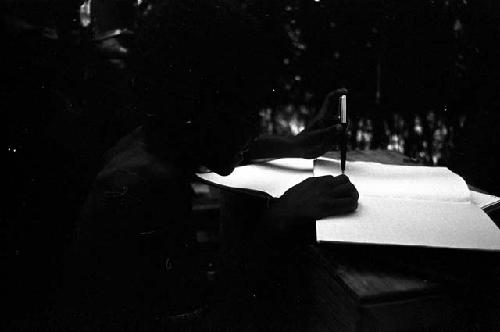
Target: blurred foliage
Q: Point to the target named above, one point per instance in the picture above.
(398, 59)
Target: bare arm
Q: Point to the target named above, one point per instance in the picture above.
(307, 144)
(321, 135)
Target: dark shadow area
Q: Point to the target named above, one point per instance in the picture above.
(422, 76)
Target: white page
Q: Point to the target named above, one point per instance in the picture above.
(273, 177)
(408, 205)
(483, 200)
(413, 223)
(381, 220)
(414, 182)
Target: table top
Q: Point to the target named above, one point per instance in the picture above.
(368, 276)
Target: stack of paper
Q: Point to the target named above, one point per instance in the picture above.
(273, 177)
(398, 205)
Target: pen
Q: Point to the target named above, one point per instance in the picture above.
(343, 139)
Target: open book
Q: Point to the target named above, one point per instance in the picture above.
(408, 205)
(398, 205)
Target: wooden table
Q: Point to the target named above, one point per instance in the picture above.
(335, 287)
(390, 288)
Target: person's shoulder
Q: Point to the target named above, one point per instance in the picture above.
(131, 162)
(136, 184)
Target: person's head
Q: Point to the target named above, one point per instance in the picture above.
(202, 68)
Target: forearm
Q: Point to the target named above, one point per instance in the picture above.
(272, 242)
(282, 229)
(266, 147)
(308, 144)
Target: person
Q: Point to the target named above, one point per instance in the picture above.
(202, 68)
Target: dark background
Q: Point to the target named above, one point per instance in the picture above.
(423, 78)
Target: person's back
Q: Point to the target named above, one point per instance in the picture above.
(134, 249)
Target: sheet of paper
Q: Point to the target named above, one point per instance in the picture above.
(273, 177)
(412, 223)
(414, 182)
(399, 205)
(483, 200)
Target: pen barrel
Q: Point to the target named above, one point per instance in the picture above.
(343, 147)
(343, 109)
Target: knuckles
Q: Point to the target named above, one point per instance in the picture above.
(328, 186)
(353, 206)
(356, 194)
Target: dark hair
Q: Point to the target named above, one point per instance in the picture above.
(193, 55)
